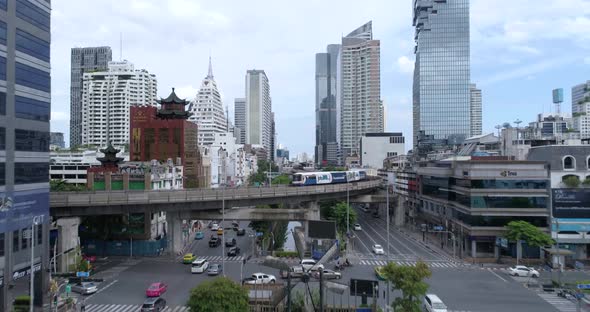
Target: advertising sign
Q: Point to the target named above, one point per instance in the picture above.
(323, 178)
(571, 203)
(17, 209)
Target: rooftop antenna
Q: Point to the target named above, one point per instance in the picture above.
(120, 46)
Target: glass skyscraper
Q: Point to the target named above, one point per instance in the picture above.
(441, 94)
(25, 106)
(326, 65)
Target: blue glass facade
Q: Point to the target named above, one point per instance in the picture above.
(441, 96)
(32, 77)
(33, 14)
(32, 45)
(28, 108)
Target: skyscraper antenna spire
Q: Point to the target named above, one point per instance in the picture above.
(210, 72)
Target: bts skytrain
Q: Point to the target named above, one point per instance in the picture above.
(328, 177)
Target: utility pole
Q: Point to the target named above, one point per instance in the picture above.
(288, 291)
(347, 208)
(387, 204)
(36, 220)
(223, 233)
(321, 290)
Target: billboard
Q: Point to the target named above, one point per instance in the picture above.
(571, 203)
(18, 208)
(322, 229)
(558, 95)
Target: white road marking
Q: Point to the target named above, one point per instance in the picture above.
(497, 275)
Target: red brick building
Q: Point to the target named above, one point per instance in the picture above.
(166, 133)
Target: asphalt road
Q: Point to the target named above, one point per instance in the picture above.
(462, 288)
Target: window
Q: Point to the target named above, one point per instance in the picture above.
(15, 241)
(24, 239)
(2, 138)
(1, 244)
(31, 141)
(33, 14)
(569, 162)
(588, 162)
(39, 233)
(3, 4)
(2, 68)
(2, 173)
(2, 103)
(31, 45)
(3, 31)
(32, 77)
(27, 108)
(25, 173)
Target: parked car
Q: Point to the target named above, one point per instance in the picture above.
(156, 289)
(230, 242)
(84, 288)
(260, 278)
(295, 271)
(521, 270)
(378, 249)
(365, 208)
(311, 265)
(214, 269)
(199, 266)
(199, 235)
(432, 303)
(214, 241)
(188, 258)
(234, 251)
(328, 274)
(220, 231)
(241, 232)
(214, 227)
(357, 227)
(153, 305)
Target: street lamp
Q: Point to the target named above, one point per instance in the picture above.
(347, 208)
(36, 220)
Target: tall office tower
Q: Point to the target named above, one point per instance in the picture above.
(441, 96)
(361, 110)
(258, 110)
(25, 106)
(475, 108)
(207, 110)
(83, 60)
(57, 139)
(581, 109)
(273, 138)
(240, 120)
(326, 84)
(106, 99)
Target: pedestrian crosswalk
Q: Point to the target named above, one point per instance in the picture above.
(561, 304)
(129, 308)
(219, 258)
(432, 264)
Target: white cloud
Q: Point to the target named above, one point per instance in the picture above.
(405, 65)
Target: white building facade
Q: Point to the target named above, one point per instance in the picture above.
(475, 107)
(258, 110)
(71, 166)
(207, 110)
(106, 98)
(581, 109)
(375, 147)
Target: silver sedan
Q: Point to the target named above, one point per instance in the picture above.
(85, 288)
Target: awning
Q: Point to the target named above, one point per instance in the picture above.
(558, 251)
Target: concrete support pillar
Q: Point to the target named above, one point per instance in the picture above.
(313, 210)
(174, 232)
(473, 249)
(519, 250)
(399, 211)
(496, 252)
(67, 240)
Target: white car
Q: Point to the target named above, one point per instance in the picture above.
(357, 227)
(378, 249)
(521, 270)
(214, 227)
(260, 278)
(311, 265)
(199, 266)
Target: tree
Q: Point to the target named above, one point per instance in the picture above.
(261, 174)
(220, 294)
(63, 186)
(282, 179)
(522, 230)
(410, 281)
(571, 181)
(338, 214)
(586, 182)
(332, 168)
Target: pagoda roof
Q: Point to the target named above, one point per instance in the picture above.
(173, 113)
(173, 99)
(110, 156)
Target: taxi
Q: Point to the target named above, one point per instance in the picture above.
(188, 258)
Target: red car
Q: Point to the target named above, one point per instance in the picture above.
(89, 258)
(156, 289)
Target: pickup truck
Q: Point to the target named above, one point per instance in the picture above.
(260, 278)
(296, 272)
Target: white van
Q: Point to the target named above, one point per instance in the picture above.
(432, 303)
(199, 266)
(311, 265)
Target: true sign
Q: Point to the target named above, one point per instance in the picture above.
(583, 286)
(82, 274)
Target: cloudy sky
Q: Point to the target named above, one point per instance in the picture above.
(521, 50)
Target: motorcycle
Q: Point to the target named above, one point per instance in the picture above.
(339, 267)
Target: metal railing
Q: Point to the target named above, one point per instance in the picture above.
(72, 199)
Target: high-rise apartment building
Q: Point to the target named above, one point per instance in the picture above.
(83, 60)
(207, 110)
(240, 120)
(258, 110)
(475, 108)
(361, 108)
(581, 109)
(106, 99)
(273, 138)
(25, 106)
(441, 93)
(326, 84)
(57, 139)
